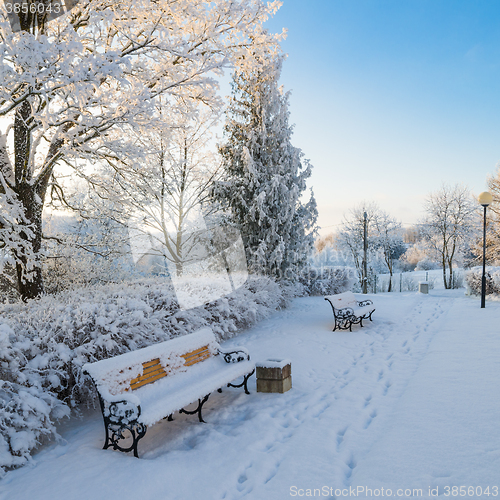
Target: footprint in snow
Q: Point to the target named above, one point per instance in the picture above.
(351, 464)
(373, 414)
(340, 436)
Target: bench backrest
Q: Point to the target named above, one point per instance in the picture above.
(133, 370)
(341, 300)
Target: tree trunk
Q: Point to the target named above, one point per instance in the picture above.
(179, 268)
(450, 279)
(30, 281)
(29, 274)
(444, 273)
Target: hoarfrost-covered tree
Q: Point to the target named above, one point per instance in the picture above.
(165, 191)
(389, 241)
(350, 238)
(493, 224)
(384, 236)
(14, 230)
(265, 175)
(84, 246)
(65, 87)
(450, 222)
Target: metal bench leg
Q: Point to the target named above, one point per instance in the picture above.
(201, 402)
(246, 380)
(115, 434)
(118, 429)
(244, 383)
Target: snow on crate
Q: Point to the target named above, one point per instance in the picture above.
(273, 363)
(111, 376)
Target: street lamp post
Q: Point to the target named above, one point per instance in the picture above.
(365, 252)
(484, 199)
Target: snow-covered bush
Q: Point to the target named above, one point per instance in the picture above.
(473, 280)
(328, 280)
(426, 265)
(44, 344)
(458, 279)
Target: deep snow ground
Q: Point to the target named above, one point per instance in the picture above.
(408, 403)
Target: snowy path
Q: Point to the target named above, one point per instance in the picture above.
(408, 402)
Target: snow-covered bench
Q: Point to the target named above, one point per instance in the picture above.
(348, 311)
(139, 388)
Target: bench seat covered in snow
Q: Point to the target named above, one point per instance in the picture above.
(348, 311)
(139, 388)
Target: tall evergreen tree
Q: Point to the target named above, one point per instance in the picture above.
(265, 176)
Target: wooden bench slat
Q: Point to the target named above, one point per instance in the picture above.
(196, 351)
(149, 380)
(188, 356)
(153, 370)
(150, 373)
(151, 363)
(201, 357)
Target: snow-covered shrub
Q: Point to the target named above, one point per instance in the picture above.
(458, 279)
(405, 283)
(45, 343)
(328, 280)
(27, 407)
(409, 283)
(473, 280)
(426, 265)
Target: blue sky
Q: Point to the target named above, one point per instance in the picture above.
(392, 98)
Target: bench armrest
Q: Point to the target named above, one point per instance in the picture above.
(345, 312)
(236, 355)
(121, 411)
(362, 303)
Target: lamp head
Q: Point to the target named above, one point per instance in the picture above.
(485, 198)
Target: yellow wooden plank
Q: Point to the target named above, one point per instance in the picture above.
(159, 373)
(149, 373)
(147, 381)
(196, 351)
(150, 363)
(194, 356)
(193, 361)
(152, 369)
(201, 355)
(152, 373)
